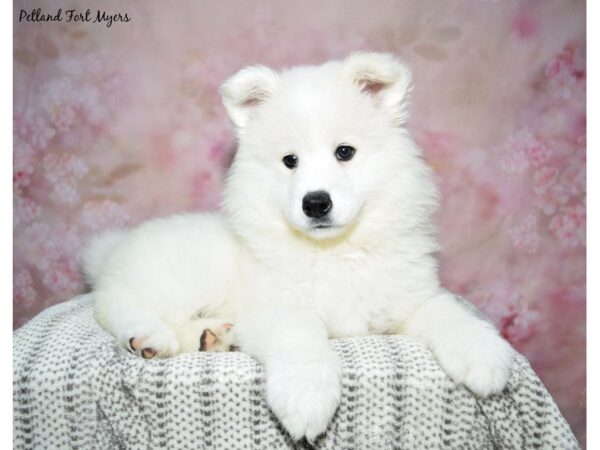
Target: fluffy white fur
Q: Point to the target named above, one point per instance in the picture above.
(285, 284)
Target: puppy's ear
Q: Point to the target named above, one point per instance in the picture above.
(385, 78)
(245, 91)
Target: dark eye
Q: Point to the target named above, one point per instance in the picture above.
(344, 152)
(290, 161)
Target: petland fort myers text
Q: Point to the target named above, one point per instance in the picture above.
(73, 15)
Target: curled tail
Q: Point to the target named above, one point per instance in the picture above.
(97, 251)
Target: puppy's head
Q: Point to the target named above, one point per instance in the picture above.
(318, 145)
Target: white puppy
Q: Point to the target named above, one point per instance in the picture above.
(327, 231)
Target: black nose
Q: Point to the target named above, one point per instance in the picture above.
(316, 204)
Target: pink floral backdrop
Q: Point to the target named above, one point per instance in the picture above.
(114, 125)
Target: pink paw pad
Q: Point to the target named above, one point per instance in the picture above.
(217, 339)
(146, 353)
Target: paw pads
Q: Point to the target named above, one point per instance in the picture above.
(134, 343)
(207, 340)
(146, 353)
(217, 339)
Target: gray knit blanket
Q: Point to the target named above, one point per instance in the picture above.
(75, 388)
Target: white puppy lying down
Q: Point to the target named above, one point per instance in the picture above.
(327, 231)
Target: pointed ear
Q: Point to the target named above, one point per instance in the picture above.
(383, 77)
(245, 91)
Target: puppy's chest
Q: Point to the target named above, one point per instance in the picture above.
(352, 296)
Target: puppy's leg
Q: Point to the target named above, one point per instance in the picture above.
(303, 374)
(138, 330)
(467, 347)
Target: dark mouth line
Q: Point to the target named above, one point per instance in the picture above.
(323, 226)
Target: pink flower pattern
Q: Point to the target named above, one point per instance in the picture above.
(63, 172)
(25, 210)
(523, 150)
(59, 103)
(565, 70)
(42, 132)
(544, 179)
(63, 277)
(549, 200)
(525, 236)
(24, 292)
(102, 215)
(23, 164)
(111, 129)
(569, 225)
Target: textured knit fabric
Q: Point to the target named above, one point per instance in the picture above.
(75, 388)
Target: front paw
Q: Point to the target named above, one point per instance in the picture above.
(158, 341)
(218, 338)
(304, 396)
(477, 357)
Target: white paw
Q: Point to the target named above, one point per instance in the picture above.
(304, 396)
(217, 339)
(156, 340)
(476, 356)
(206, 335)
